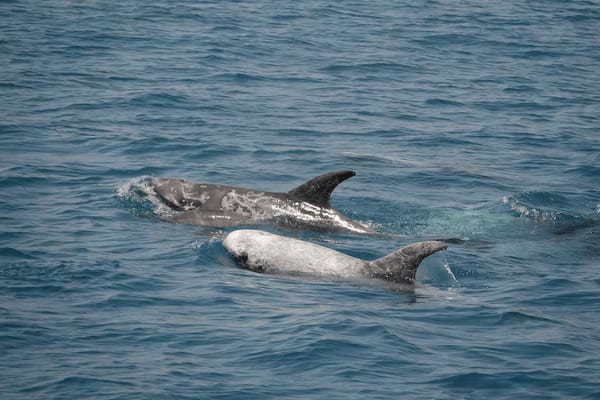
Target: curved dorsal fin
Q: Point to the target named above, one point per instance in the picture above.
(401, 265)
(318, 190)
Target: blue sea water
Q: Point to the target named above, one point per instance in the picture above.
(476, 120)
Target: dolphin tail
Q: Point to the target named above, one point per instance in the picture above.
(401, 265)
(318, 190)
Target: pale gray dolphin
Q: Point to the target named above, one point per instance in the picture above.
(308, 205)
(266, 252)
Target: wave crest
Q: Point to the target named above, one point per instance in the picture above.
(138, 196)
(550, 209)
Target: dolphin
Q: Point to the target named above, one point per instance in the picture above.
(266, 252)
(307, 205)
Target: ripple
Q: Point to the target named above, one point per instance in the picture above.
(443, 103)
(76, 383)
(519, 318)
(550, 209)
(161, 100)
(380, 67)
(540, 54)
(12, 254)
(581, 298)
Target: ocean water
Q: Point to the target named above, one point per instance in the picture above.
(476, 120)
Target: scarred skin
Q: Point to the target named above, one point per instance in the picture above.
(307, 206)
(266, 252)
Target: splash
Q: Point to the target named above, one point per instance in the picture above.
(447, 295)
(548, 208)
(212, 236)
(139, 197)
(449, 271)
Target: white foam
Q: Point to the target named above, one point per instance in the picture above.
(213, 237)
(450, 294)
(139, 190)
(523, 210)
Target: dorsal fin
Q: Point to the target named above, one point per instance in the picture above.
(401, 265)
(318, 190)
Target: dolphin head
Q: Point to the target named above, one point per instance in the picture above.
(246, 244)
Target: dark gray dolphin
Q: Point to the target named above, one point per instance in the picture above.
(307, 205)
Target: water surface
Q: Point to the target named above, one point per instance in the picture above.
(474, 120)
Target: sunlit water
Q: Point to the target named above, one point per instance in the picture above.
(467, 120)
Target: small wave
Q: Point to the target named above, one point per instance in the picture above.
(41, 279)
(450, 294)
(369, 67)
(443, 103)
(213, 236)
(551, 209)
(56, 272)
(581, 18)
(521, 318)
(495, 381)
(520, 89)
(580, 298)
(72, 382)
(449, 39)
(537, 54)
(158, 100)
(590, 171)
(500, 106)
(10, 253)
(263, 153)
(239, 77)
(20, 181)
(135, 299)
(138, 196)
(368, 158)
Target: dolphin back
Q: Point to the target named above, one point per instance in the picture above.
(318, 190)
(401, 265)
(266, 252)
